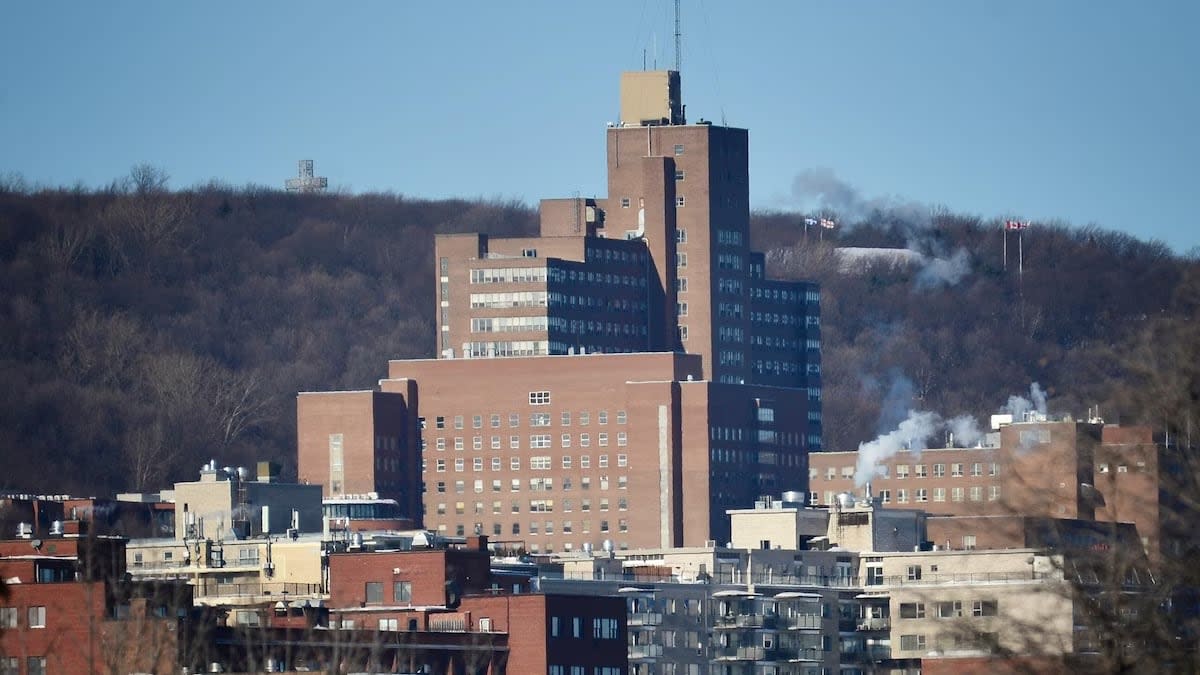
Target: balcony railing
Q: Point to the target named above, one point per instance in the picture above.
(800, 621)
(207, 588)
(874, 624)
(745, 621)
(645, 651)
(645, 618)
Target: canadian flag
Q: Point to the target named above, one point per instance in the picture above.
(1015, 225)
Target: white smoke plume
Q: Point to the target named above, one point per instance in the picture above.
(912, 434)
(897, 402)
(965, 429)
(1019, 405)
(819, 189)
(944, 271)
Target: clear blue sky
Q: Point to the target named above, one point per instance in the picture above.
(1084, 111)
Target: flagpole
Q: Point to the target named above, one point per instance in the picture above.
(1020, 253)
(1004, 231)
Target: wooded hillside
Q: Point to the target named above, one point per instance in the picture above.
(147, 330)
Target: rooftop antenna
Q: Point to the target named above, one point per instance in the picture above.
(678, 41)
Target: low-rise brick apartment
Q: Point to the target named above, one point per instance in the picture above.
(1064, 468)
(66, 607)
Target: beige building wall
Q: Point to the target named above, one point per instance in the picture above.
(962, 603)
(780, 527)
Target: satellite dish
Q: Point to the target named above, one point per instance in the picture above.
(36, 544)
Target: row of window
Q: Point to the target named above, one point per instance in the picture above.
(507, 348)
(722, 433)
(536, 419)
(509, 324)
(508, 275)
(35, 617)
(949, 609)
(504, 300)
(778, 318)
(535, 506)
(582, 670)
(536, 442)
(603, 302)
(919, 471)
(401, 592)
(11, 665)
(598, 254)
(920, 495)
(535, 484)
(542, 527)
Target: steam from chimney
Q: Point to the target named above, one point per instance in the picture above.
(965, 429)
(915, 430)
(1019, 405)
(912, 434)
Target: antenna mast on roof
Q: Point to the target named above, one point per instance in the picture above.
(678, 40)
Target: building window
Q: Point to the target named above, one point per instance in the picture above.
(922, 495)
(912, 610)
(495, 421)
(949, 609)
(624, 202)
(539, 441)
(8, 617)
(680, 201)
(678, 149)
(984, 608)
(566, 418)
(914, 573)
(956, 470)
(539, 398)
(683, 333)
(912, 643)
(681, 236)
(681, 308)
(681, 260)
(621, 417)
(35, 665)
(402, 591)
(939, 470)
(374, 592)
